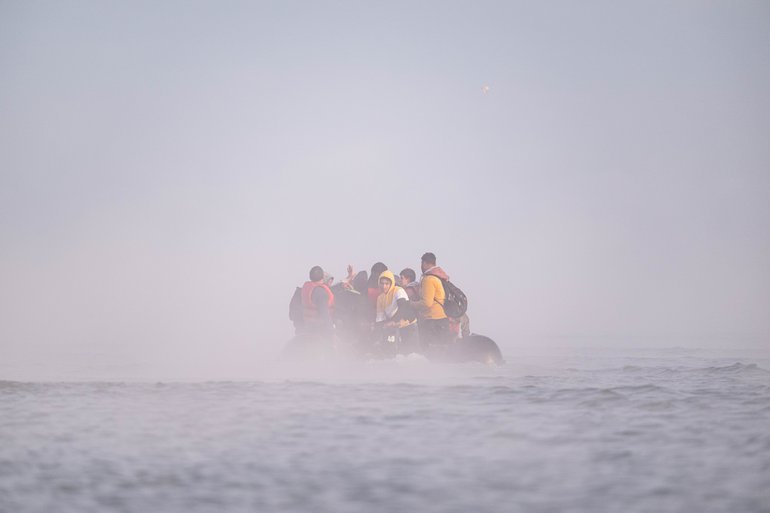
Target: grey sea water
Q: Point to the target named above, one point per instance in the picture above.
(655, 431)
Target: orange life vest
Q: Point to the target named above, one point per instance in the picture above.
(309, 310)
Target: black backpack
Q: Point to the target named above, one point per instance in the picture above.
(295, 306)
(456, 303)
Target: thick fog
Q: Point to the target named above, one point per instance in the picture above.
(589, 174)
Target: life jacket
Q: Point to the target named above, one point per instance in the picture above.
(309, 310)
(295, 306)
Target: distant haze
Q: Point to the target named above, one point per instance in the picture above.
(587, 172)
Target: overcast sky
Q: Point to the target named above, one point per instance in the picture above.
(169, 171)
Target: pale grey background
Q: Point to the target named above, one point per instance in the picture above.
(169, 171)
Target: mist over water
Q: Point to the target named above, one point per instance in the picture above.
(168, 174)
(594, 177)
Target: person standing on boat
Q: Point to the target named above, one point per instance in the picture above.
(433, 322)
(458, 326)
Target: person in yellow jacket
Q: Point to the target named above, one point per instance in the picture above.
(433, 322)
(395, 316)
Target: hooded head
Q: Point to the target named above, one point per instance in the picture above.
(390, 292)
(387, 281)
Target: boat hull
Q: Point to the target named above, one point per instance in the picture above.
(473, 348)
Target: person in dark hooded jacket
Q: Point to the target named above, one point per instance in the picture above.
(373, 287)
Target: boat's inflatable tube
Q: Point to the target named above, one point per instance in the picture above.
(477, 348)
(473, 348)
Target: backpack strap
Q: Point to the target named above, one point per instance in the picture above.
(442, 280)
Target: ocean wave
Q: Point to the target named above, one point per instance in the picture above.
(18, 386)
(648, 388)
(733, 369)
(736, 368)
(595, 395)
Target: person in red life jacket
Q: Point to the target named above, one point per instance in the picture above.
(317, 304)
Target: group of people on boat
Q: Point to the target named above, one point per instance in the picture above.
(381, 314)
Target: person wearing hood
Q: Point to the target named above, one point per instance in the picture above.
(433, 322)
(395, 314)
